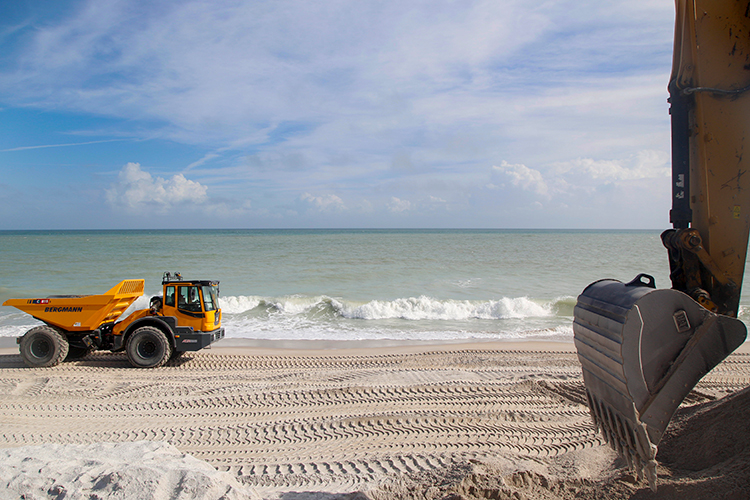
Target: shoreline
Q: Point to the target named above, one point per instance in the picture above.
(354, 347)
(300, 347)
(286, 347)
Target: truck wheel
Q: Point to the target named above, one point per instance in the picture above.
(43, 346)
(148, 347)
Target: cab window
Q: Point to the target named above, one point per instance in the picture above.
(188, 298)
(210, 298)
(169, 296)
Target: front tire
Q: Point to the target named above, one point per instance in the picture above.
(148, 347)
(43, 346)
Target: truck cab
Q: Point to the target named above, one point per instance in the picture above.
(186, 318)
(195, 304)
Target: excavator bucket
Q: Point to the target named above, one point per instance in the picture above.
(642, 351)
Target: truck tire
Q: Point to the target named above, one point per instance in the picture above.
(43, 346)
(148, 347)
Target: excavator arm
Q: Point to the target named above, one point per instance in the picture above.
(710, 109)
(642, 350)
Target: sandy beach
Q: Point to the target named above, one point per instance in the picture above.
(339, 420)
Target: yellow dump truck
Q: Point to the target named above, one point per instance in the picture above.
(186, 318)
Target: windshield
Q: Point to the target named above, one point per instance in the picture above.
(210, 298)
(187, 298)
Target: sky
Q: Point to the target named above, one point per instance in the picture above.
(119, 114)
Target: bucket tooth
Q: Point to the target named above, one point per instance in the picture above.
(642, 350)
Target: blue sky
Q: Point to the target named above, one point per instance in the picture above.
(255, 114)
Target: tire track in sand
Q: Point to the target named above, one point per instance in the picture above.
(301, 421)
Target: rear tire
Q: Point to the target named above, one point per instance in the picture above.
(148, 347)
(43, 346)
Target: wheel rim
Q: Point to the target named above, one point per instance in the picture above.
(147, 349)
(40, 348)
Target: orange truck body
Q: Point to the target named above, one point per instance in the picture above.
(83, 312)
(186, 318)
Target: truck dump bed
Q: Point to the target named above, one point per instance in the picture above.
(82, 313)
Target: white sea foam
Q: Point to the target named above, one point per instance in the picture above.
(299, 316)
(410, 308)
(240, 304)
(409, 318)
(744, 314)
(427, 308)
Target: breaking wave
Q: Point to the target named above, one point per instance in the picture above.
(411, 308)
(323, 317)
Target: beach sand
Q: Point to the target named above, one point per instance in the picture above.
(345, 420)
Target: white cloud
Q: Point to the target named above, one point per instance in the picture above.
(139, 191)
(328, 202)
(376, 99)
(224, 70)
(397, 205)
(646, 164)
(630, 192)
(44, 146)
(206, 157)
(521, 175)
(582, 175)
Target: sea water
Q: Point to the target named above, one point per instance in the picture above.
(350, 284)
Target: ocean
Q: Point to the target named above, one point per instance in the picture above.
(348, 284)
